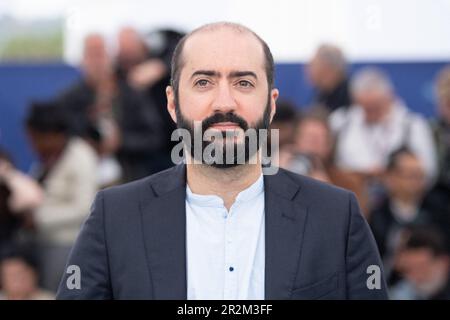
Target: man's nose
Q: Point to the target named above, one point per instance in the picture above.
(224, 101)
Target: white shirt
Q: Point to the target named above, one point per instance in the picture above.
(225, 250)
(363, 146)
(69, 189)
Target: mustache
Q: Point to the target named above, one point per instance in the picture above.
(224, 117)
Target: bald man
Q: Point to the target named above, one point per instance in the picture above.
(212, 229)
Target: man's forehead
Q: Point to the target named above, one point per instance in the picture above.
(223, 49)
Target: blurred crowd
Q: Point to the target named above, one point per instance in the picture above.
(358, 134)
(112, 127)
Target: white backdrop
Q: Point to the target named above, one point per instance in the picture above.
(366, 29)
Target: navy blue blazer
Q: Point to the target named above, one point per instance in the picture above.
(133, 244)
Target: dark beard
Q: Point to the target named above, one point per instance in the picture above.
(263, 123)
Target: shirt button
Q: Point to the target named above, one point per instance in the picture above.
(231, 269)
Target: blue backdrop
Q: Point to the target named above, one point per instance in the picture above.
(21, 84)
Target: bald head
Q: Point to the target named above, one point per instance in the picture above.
(96, 60)
(179, 58)
(327, 68)
(131, 48)
(332, 56)
(94, 44)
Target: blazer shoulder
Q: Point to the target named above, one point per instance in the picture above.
(324, 199)
(127, 189)
(329, 206)
(316, 188)
(167, 178)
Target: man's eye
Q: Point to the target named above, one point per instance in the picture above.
(202, 83)
(245, 84)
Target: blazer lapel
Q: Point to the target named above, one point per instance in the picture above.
(285, 223)
(164, 231)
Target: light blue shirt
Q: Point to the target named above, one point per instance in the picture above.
(225, 250)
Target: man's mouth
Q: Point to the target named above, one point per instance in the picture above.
(225, 126)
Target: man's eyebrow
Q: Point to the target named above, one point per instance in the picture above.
(237, 74)
(209, 73)
(233, 74)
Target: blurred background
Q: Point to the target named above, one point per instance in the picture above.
(364, 105)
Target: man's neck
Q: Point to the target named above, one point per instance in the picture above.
(225, 183)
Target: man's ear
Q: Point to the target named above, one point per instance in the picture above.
(273, 102)
(170, 94)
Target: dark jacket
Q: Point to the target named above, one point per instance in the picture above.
(317, 244)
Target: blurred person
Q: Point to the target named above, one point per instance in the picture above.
(314, 142)
(313, 136)
(134, 61)
(327, 72)
(151, 77)
(25, 191)
(405, 182)
(376, 125)
(80, 101)
(19, 195)
(67, 172)
(96, 68)
(117, 119)
(190, 231)
(131, 51)
(437, 204)
(441, 125)
(19, 278)
(425, 266)
(437, 200)
(307, 154)
(285, 120)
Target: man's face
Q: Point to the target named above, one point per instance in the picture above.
(131, 49)
(18, 279)
(407, 179)
(48, 146)
(375, 104)
(423, 269)
(320, 74)
(96, 62)
(223, 83)
(313, 138)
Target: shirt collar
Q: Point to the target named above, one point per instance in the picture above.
(245, 195)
